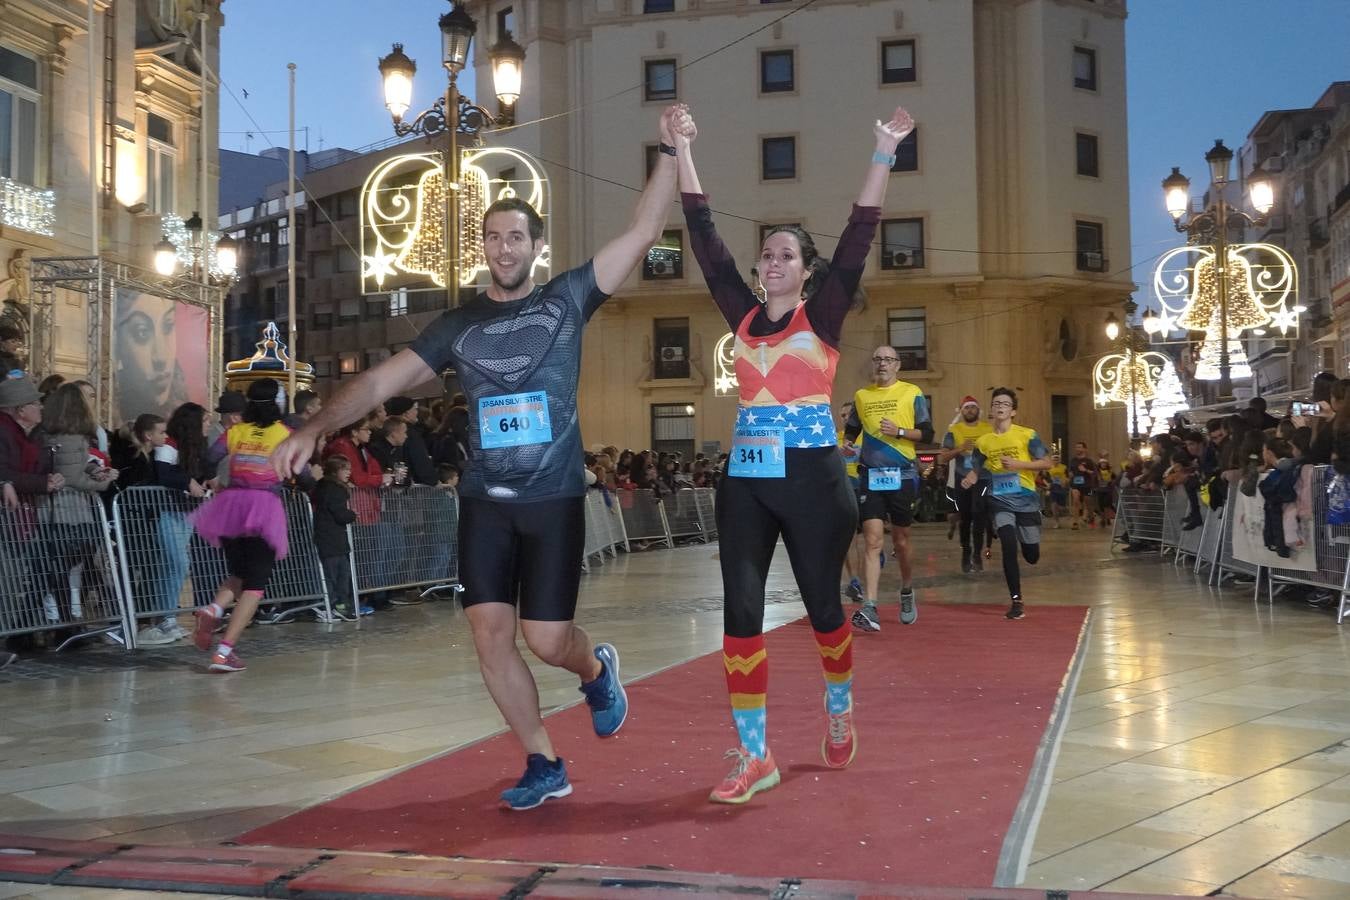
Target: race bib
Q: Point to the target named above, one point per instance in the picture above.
(1078, 480)
(757, 452)
(886, 479)
(1007, 484)
(512, 420)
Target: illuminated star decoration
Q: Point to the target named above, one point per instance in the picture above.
(378, 266)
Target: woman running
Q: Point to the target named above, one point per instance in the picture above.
(246, 520)
(785, 476)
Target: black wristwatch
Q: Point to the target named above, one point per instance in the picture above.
(666, 148)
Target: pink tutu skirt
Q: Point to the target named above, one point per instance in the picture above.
(243, 512)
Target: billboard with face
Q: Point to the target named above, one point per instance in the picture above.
(161, 355)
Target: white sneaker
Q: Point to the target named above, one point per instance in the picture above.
(153, 636)
(173, 630)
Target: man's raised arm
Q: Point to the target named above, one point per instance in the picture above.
(399, 373)
(621, 255)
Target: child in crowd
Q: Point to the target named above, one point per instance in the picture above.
(332, 515)
(447, 475)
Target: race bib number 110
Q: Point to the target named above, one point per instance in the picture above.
(512, 420)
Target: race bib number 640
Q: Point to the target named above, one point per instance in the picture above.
(512, 420)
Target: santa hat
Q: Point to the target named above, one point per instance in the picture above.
(969, 401)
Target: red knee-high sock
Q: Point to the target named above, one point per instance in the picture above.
(836, 659)
(747, 666)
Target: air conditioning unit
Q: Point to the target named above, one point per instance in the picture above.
(672, 354)
(662, 267)
(894, 259)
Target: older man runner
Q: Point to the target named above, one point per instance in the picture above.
(891, 415)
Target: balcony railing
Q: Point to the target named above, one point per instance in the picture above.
(27, 208)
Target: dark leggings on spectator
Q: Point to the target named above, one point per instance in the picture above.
(1007, 541)
(814, 510)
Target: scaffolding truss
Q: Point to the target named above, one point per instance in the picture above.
(99, 280)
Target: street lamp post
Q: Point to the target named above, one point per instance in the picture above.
(1210, 226)
(1129, 339)
(453, 113)
(199, 249)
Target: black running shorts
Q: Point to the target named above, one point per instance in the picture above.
(523, 553)
(250, 559)
(896, 507)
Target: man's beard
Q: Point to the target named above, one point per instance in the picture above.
(971, 417)
(514, 283)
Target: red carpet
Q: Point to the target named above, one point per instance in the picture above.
(950, 713)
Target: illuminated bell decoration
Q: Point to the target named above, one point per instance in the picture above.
(1262, 287)
(1244, 311)
(1127, 378)
(1207, 367)
(1134, 381)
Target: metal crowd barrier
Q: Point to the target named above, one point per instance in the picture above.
(687, 517)
(160, 553)
(58, 570)
(1176, 538)
(404, 538)
(644, 517)
(1332, 548)
(1229, 565)
(1140, 516)
(604, 527)
(1207, 555)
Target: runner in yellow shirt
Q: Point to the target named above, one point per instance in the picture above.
(1012, 455)
(891, 415)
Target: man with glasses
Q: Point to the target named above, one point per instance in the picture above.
(891, 415)
(1012, 455)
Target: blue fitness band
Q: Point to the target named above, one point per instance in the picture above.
(879, 157)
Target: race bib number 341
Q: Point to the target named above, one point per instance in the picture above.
(757, 452)
(512, 420)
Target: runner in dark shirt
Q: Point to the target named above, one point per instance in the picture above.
(517, 349)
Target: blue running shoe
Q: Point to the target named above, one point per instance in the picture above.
(605, 695)
(543, 780)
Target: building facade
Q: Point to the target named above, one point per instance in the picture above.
(1005, 234)
(93, 160)
(1308, 153)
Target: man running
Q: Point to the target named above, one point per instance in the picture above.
(517, 350)
(854, 589)
(1011, 455)
(1083, 484)
(957, 445)
(891, 415)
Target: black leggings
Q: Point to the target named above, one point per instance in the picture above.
(1008, 543)
(814, 510)
(970, 503)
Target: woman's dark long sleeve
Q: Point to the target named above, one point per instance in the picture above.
(729, 291)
